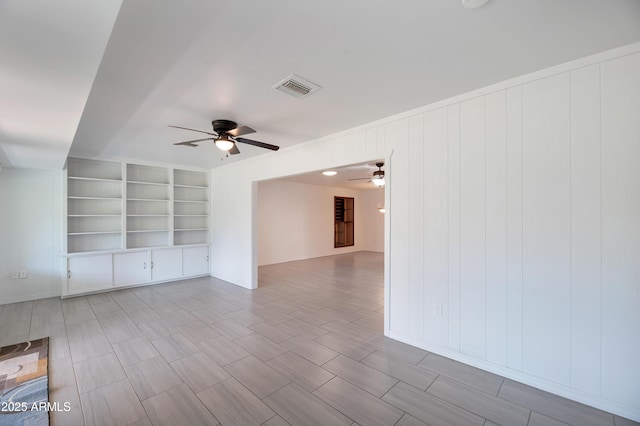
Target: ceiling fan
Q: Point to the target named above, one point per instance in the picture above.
(378, 176)
(225, 135)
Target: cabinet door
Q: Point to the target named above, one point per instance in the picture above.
(195, 261)
(131, 268)
(166, 264)
(89, 273)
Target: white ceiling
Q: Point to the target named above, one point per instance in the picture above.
(343, 178)
(50, 52)
(64, 88)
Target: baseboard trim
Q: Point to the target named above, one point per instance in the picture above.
(133, 285)
(595, 401)
(31, 297)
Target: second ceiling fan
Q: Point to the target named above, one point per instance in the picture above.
(378, 176)
(225, 135)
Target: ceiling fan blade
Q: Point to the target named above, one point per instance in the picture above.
(258, 144)
(234, 150)
(192, 141)
(242, 130)
(194, 130)
(360, 178)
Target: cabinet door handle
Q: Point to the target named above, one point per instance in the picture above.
(69, 274)
(145, 265)
(151, 265)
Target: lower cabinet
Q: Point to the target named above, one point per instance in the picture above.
(195, 261)
(98, 272)
(89, 273)
(166, 264)
(131, 268)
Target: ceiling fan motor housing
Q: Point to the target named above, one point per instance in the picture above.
(379, 173)
(223, 126)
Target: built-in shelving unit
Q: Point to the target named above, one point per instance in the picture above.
(133, 224)
(94, 205)
(190, 207)
(115, 206)
(148, 206)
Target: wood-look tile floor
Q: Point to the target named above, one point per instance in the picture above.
(305, 348)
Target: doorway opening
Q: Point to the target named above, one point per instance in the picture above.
(344, 221)
(295, 217)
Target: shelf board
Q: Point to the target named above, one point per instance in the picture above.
(190, 186)
(94, 251)
(73, 197)
(190, 215)
(94, 179)
(148, 215)
(94, 233)
(119, 249)
(191, 201)
(94, 215)
(147, 247)
(148, 183)
(191, 229)
(146, 230)
(148, 199)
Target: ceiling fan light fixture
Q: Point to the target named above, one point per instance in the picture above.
(378, 176)
(329, 173)
(224, 143)
(378, 181)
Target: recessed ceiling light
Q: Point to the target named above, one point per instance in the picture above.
(472, 4)
(329, 173)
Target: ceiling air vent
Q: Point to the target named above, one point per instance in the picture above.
(296, 86)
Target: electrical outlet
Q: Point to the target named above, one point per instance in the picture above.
(14, 275)
(437, 309)
(23, 275)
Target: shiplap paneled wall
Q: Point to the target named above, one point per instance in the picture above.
(620, 230)
(513, 226)
(524, 226)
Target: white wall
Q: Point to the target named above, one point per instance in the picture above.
(372, 235)
(295, 221)
(30, 233)
(516, 207)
